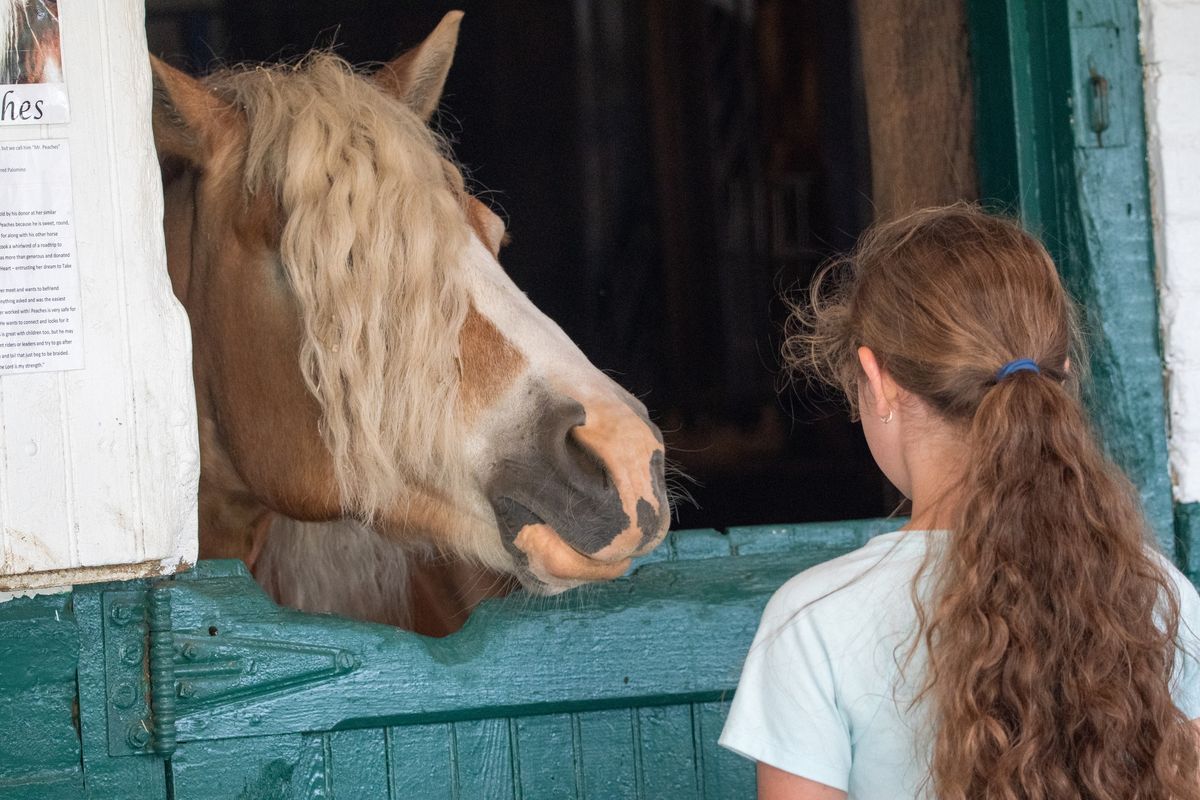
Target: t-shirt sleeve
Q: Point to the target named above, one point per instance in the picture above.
(1185, 684)
(785, 711)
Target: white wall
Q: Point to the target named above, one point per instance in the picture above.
(1171, 53)
(98, 467)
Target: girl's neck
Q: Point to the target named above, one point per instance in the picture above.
(935, 461)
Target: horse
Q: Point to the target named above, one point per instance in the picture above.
(369, 381)
(30, 45)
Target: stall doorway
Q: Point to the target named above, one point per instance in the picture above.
(671, 168)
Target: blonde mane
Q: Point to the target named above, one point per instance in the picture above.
(371, 244)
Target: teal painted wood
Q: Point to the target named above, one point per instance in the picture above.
(609, 649)
(107, 778)
(358, 763)
(257, 768)
(1187, 532)
(547, 757)
(666, 744)
(1087, 194)
(725, 774)
(40, 750)
(608, 760)
(616, 691)
(421, 762)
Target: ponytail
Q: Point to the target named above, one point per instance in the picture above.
(1052, 626)
(1046, 671)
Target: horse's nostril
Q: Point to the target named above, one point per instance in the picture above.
(584, 465)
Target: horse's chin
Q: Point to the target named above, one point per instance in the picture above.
(543, 561)
(536, 586)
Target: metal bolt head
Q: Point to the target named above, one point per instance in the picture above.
(188, 651)
(138, 735)
(185, 689)
(124, 695)
(132, 653)
(120, 614)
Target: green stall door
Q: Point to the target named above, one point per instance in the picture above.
(199, 687)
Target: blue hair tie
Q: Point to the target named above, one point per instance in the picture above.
(1020, 365)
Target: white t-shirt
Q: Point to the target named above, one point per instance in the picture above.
(822, 694)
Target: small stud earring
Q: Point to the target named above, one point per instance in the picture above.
(888, 418)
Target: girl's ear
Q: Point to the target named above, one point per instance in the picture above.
(883, 388)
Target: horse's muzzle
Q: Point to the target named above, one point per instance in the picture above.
(581, 493)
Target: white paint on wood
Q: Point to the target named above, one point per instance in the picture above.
(1169, 31)
(98, 467)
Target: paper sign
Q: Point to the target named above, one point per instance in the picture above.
(40, 321)
(32, 88)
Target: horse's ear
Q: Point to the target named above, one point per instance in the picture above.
(187, 117)
(418, 77)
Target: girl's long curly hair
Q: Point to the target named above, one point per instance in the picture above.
(1051, 628)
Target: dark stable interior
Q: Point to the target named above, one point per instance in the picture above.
(668, 168)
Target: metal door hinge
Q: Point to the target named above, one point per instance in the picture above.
(156, 674)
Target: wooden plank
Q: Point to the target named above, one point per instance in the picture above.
(39, 744)
(421, 762)
(1187, 531)
(156, 334)
(257, 768)
(1107, 250)
(547, 757)
(483, 756)
(104, 456)
(608, 761)
(725, 774)
(358, 764)
(667, 745)
(759, 539)
(1003, 66)
(611, 649)
(916, 79)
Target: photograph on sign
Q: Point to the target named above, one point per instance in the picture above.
(31, 73)
(40, 320)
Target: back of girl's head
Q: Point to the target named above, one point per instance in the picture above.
(945, 297)
(1051, 628)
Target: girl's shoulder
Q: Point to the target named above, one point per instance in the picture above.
(857, 583)
(1189, 599)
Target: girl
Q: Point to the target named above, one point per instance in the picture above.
(1020, 638)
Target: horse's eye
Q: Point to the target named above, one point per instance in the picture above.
(42, 13)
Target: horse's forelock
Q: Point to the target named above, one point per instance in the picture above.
(372, 238)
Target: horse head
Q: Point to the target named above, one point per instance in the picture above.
(359, 351)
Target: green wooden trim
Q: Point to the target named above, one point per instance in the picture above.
(40, 754)
(1187, 533)
(1087, 196)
